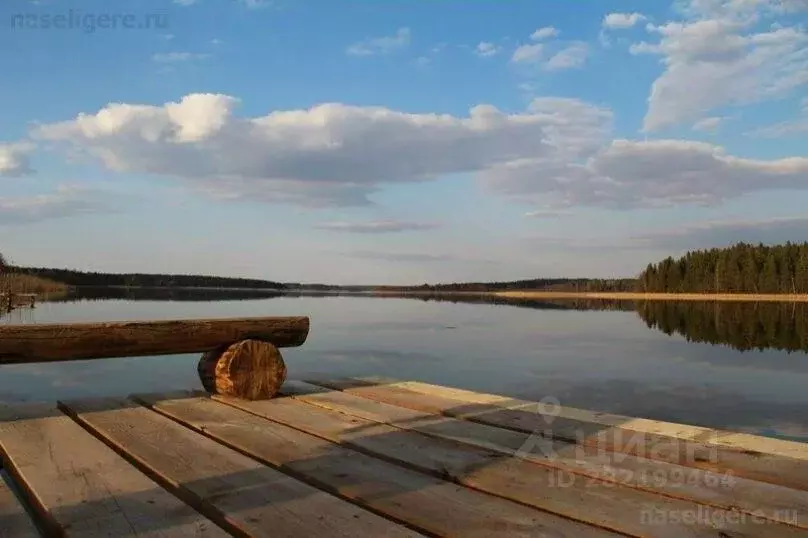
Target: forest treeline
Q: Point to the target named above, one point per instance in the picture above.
(535, 284)
(82, 278)
(741, 268)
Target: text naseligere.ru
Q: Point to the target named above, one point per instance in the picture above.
(76, 19)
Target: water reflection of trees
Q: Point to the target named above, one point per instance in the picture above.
(535, 304)
(744, 326)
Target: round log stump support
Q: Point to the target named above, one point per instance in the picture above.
(249, 369)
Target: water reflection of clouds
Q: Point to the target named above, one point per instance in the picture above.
(688, 404)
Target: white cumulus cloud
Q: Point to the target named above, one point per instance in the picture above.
(558, 152)
(622, 20)
(721, 55)
(14, 159)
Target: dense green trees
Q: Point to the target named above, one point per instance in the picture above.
(534, 284)
(81, 278)
(741, 268)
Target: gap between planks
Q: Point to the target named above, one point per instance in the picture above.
(15, 521)
(772, 468)
(758, 499)
(685, 432)
(244, 496)
(77, 486)
(435, 506)
(611, 506)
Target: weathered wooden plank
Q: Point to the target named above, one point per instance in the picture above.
(427, 503)
(240, 494)
(63, 342)
(699, 453)
(428, 423)
(774, 502)
(79, 487)
(596, 502)
(721, 438)
(14, 520)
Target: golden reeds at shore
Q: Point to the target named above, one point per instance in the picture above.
(17, 290)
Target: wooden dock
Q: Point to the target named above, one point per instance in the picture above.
(377, 457)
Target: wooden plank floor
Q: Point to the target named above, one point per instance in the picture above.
(371, 457)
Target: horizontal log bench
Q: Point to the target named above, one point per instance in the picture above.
(240, 356)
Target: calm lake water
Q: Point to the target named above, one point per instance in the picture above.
(614, 360)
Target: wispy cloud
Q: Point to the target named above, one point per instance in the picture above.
(178, 57)
(544, 33)
(709, 125)
(256, 4)
(486, 49)
(400, 256)
(553, 55)
(381, 45)
(570, 57)
(546, 213)
(377, 227)
(528, 53)
(66, 201)
(792, 127)
(723, 233)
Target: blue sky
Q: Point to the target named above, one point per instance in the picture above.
(399, 142)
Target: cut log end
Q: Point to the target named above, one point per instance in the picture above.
(249, 369)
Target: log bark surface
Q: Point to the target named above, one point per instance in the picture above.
(64, 342)
(250, 369)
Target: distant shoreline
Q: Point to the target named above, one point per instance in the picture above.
(594, 295)
(493, 293)
(635, 296)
